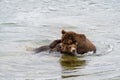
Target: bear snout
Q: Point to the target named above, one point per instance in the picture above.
(73, 50)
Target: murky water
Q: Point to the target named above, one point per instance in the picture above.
(28, 24)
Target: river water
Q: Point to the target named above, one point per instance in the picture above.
(28, 24)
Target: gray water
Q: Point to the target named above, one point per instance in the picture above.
(28, 24)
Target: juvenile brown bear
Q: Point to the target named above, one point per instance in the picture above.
(57, 46)
(83, 44)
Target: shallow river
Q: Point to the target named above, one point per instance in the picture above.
(28, 24)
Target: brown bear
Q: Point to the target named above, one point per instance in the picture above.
(57, 46)
(83, 44)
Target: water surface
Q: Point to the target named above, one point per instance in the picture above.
(25, 25)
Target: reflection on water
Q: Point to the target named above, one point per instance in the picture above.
(70, 64)
(68, 76)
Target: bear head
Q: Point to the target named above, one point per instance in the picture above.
(68, 49)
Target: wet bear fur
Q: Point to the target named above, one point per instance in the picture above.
(83, 44)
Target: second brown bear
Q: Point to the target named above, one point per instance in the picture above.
(83, 44)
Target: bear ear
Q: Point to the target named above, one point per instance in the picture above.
(82, 36)
(63, 31)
